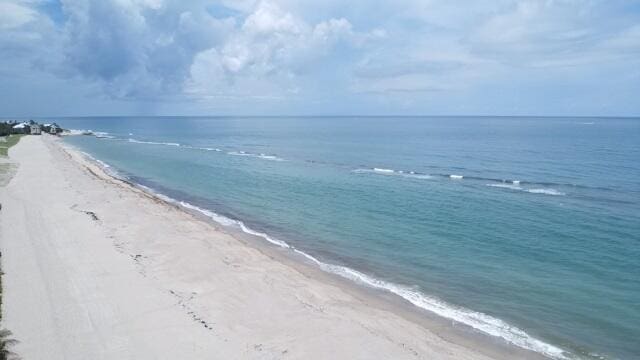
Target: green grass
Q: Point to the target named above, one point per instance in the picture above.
(10, 141)
(6, 341)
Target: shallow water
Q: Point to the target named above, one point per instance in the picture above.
(524, 228)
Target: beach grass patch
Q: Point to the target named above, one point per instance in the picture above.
(7, 142)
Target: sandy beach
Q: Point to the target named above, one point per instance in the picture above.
(98, 269)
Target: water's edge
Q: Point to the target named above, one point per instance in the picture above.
(480, 322)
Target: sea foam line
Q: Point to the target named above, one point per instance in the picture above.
(236, 153)
(505, 184)
(108, 169)
(174, 144)
(515, 186)
(153, 142)
(477, 320)
(261, 155)
(391, 172)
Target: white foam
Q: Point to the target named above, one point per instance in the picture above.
(201, 148)
(456, 177)
(483, 322)
(418, 176)
(153, 142)
(98, 134)
(390, 172)
(506, 186)
(546, 192)
(477, 320)
(384, 171)
(260, 156)
(74, 132)
(104, 166)
(102, 135)
(514, 186)
(516, 182)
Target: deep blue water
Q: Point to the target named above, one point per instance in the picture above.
(555, 255)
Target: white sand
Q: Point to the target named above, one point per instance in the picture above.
(149, 281)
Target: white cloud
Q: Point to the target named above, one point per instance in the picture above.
(318, 51)
(268, 51)
(13, 15)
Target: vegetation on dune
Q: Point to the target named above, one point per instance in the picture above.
(10, 140)
(5, 343)
(6, 128)
(5, 335)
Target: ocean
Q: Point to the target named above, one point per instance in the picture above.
(523, 228)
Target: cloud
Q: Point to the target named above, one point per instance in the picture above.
(13, 15)
(137, 49)
(268, 51)
(161, 49)
(458, 49)
(289, 53)
(550, 33)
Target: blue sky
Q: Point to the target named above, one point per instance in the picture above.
(272, 57)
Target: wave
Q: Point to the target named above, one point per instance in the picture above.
(236, 153)
(384, 171)
(152, 142)
(477, 320)
(546, 192)
(200, 148)
(261, 156)
(390, 172)
(108, 169)
(102, 135)
(506, 186)
(532, 184)
(515, 186)
(74, 132)
(98, 134)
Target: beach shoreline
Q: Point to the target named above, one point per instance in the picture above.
(230, 294)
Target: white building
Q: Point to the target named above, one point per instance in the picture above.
(35, 129)
(53, 129)
(20, 126)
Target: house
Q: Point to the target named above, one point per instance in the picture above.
(21, 128)
(35, 129)
(53, 129)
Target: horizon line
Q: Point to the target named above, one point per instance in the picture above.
(4, 118)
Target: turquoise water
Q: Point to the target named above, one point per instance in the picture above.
(524, 228)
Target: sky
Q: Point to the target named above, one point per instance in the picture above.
(319, 57)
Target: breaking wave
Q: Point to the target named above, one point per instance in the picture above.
(477, 320)
(200, 148)
(390, 172)
(152, 142)
(515, 186)
(261, 156)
